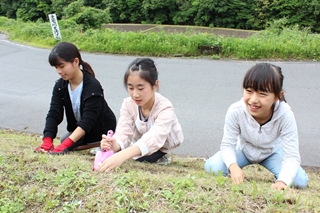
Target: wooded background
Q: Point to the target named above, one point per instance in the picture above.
(249, 14)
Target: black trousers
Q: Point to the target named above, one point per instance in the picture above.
(152, 158)
(79, 143)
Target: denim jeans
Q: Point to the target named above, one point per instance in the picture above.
(273, 163)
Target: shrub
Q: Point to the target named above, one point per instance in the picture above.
(92, 18)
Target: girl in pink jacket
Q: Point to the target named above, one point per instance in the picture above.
(148, 127)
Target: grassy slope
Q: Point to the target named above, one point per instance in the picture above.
(31, 182)
(276, 43)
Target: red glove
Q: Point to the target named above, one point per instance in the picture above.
(47, 145)
(63, 147)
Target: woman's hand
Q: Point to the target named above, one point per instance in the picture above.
(279, 185)
(112, 162)
(109, 143)
(117, 159)
(236, 173)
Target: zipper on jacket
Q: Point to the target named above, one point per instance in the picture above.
(259, 133)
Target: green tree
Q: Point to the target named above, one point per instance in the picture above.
(32, 10)
(315, 6)
(99, 4)
(87, 17)
(226, 13)
(305, 13)
(59, 5)
(234, 14)
(118, 10)
(92, 18)
(205, 12)
(156, 11)
(125, 11)
(185, 14)
(296, 11)
(72, 9)
(9, 8)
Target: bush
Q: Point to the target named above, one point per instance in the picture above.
(73, 9)
(92, 18)
(87, 17)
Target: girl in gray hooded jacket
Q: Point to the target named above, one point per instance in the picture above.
(261, 128)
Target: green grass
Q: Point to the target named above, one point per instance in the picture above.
(32, 182)
(273, 43)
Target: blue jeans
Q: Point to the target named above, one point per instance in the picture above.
(273, 163)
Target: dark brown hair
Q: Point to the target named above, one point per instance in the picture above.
(265, 77)
(65, 51)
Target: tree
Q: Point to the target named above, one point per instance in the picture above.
(185, 14)
(99, 4)
(206, 12)
(156, 11)
(59, 5)
(9, 8)
(304, 13)
(119, 10)
(87, 17)
(32, 10)
(234, 14)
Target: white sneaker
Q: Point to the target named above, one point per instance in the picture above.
(164, 160)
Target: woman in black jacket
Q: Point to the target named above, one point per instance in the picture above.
(80, 94)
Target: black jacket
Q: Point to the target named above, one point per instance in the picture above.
(96, 116)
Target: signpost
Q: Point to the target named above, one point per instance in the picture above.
(55, 27)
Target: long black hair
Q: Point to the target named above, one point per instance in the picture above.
(65, 51)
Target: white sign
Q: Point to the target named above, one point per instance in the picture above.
(55, 27)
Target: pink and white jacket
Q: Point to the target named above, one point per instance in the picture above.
(161, 132)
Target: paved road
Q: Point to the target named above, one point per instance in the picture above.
(200, 89)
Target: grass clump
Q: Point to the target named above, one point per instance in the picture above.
(276, 42)
(32, 182)
(290, 43)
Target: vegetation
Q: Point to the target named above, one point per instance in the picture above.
(32, 182)
(276, 42)
(249, 14)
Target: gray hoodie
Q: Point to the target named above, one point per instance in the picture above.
(259, 142)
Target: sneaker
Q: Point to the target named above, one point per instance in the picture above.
(164, 160)
(94, 151)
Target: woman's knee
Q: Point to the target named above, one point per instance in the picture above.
(215, 165)
(301, 180)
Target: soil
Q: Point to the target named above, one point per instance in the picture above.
(181, 29)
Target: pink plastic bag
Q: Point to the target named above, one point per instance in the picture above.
(102, 155)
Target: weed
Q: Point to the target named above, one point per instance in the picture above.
(8, 205)
(279, 195)
(255, 191)
(63, 184)
(220, 179)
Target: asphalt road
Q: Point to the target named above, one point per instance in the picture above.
(200, 89)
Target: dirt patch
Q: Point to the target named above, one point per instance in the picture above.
(181, 29)
(128, 27)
